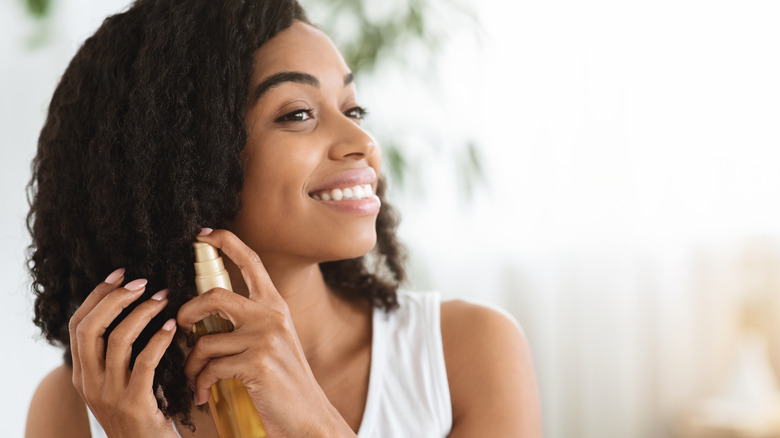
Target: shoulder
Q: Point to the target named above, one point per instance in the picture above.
(490, 371)
(56, 408)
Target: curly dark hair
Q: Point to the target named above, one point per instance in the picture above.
(142, 147)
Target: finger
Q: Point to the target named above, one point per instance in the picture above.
(111, 282)
(142, 377)
(245, 258)
(120, 342)
(217, 301)
(216, 370)
(90, 331)
(209, 347)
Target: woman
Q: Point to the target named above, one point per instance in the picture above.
(242, 117)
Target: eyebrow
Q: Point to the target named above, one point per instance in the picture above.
(291, 76)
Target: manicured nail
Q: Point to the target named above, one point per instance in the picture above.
(169, 324)
(115, 276)
(205, 231)
(136, 284)
(159, 296)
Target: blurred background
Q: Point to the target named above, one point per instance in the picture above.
(606, 171)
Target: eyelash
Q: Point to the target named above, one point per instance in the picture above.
(361, 114)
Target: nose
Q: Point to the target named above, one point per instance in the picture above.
(350, 140)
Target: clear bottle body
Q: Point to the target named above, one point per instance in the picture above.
(234, 413)
(235, 416)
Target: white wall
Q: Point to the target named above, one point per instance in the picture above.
(633, 150)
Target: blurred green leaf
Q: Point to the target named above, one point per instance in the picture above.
(472, 171)
(395, 163)
(38, 8)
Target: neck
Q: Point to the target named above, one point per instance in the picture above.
(323, 320)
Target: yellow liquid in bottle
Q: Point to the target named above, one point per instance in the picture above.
(235, 416)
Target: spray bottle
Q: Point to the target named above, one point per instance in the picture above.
(235, 416)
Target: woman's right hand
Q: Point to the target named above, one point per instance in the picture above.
(121, 399)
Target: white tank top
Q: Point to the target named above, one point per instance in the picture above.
(408, 390)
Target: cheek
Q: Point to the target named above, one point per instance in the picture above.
(273, 195)
(279, 168)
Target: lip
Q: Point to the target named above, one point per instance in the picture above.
(348, 178)
(360, 207)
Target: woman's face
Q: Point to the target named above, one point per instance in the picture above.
(305, 146)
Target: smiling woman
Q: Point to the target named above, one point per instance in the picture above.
(243, 117)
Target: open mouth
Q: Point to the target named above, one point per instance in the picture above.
(361, 191)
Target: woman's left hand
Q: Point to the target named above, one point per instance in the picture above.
(263, 350)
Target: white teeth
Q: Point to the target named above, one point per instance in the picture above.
(357, 192)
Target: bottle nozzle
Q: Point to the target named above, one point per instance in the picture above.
(205, 252)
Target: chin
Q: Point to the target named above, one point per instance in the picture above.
(353, 248)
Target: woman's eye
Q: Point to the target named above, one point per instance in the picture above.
(296, 116)
(357, 112)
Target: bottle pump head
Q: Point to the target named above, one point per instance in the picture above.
(209, 269)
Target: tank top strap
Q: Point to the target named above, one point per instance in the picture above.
(408, 392)
(95, 428)
(97, 431)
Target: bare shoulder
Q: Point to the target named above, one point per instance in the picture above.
(490, 371)
(57, 409)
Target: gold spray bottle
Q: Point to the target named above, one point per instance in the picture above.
(233, 411)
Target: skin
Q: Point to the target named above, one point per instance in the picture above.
(302, 352)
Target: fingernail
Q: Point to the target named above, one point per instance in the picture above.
(136, 284)
(169, 324)
(159, 296)
(115, 276)
(205, 231)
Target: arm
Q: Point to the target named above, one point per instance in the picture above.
(57, 409)
(491, 373)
